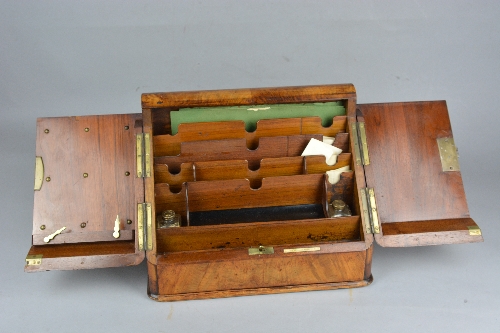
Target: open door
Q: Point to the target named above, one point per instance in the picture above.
(86, 193)
(414, 172)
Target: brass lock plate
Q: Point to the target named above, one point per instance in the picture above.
(261, 250)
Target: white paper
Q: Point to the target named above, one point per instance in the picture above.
(334, 175)
(316, 147)
(328, 140)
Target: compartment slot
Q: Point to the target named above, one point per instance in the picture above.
(175, 178)
(239, 169)
(235, 149)
(342, 141)
(313, 125)
(275, 127)
(342, 190)
(165, 199)
(343, 229)
(261, 214)
(170, 145)
(317, 164)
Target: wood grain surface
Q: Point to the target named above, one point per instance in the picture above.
(213, 261)
(405, 167)
(87, 160)
(432, 232)
(85, 256)
(345, 229)
(255, 96)
(170, 145)
(260, 291)
(237, 193)
(202, 271)
(234, 149)
(240, 169)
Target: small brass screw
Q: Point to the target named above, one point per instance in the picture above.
(47, 179)
(126, 128)
(46, 131)
(87, 129)
(129, 221)
(42, 227)
(85, 175)
(127, 173)
(83, 225)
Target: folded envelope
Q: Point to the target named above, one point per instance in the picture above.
(316, 147)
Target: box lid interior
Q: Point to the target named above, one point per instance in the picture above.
(86, 188)
(417, 202)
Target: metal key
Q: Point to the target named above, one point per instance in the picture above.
(51, 236)
(116, 234)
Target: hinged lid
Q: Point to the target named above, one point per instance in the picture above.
(86, 191)
(420, 199)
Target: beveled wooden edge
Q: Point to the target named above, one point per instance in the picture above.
(60, 257)
(248, 96)
(429, 232)
(260, 291)
(428, 238)
(84, 262)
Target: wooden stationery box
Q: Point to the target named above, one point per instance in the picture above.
(254, 215)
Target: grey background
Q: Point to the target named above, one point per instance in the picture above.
(63, 58)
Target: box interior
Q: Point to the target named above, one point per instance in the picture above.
(234, 188)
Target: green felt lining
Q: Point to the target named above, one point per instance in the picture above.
(251, 114)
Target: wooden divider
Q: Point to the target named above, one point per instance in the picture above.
(170, 145)
(236, 149)
(237, 193)
(165, 174)
(317, 164)
(342, 190)
(239, 169)
(254, 234)
(312, 125)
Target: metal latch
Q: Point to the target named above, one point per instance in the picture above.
(360, 143)
(261, 250)
(369, 208)
(143, 155)
(144, 227)
(34, 260)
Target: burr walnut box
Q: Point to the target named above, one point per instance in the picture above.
(214, 189)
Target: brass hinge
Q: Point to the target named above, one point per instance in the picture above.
(369, 208)
(360, 143)
(144, 227)
(143, 155)
(34, 260)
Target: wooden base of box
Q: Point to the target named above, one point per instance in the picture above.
(260, 291)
